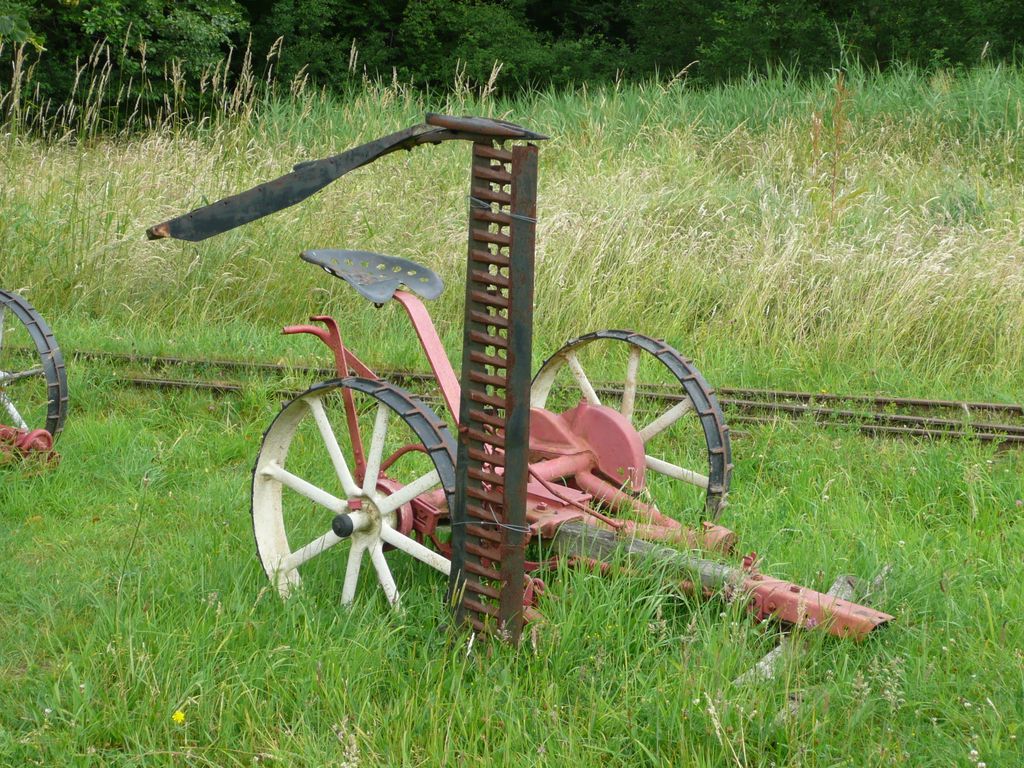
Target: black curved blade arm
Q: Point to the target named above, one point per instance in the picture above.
(307, 179)
(310, 177)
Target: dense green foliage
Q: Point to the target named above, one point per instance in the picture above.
(149, 37)
(425, 42)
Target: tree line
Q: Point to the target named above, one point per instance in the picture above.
(538, 42)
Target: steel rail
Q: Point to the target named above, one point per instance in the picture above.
(224, 387)
(896, 419)
(743, 402)
(883, 429)
(881, 400)
(994, 433)
(733, 394)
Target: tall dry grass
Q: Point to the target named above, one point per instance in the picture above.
(861, 228)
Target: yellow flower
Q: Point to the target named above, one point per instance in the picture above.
(178, 717)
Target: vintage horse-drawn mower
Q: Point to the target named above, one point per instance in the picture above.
(559, 463)
(33, 384)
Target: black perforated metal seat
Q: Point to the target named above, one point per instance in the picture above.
(376, 276)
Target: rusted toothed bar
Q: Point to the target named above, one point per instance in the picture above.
(489, 526)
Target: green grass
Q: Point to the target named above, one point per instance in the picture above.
(134, 591)
(854, 236)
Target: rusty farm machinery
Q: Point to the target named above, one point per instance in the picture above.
(519, 474)
(33, 383)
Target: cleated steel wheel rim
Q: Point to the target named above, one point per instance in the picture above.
(665, 398)
(343, 472)
(33, 383)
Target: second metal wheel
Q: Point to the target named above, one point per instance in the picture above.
(664, 396)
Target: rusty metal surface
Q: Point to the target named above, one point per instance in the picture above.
(696, 388)
(444, 377)
(802, 607)
(306, 179)
(881, 419)
(765, 597)
(24, 443)
(496, 499)
(517, 393)
(50, 362)
(376, 276)
(881, 401)
(981, 430)
(1005, 435)
(489, 524)
(484, 126)
(429, 435)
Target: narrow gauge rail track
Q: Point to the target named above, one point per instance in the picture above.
(916, 417)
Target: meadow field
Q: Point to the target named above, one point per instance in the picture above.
(860, 233)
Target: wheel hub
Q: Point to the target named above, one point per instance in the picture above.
(616, 445)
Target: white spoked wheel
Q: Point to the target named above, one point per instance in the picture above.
(33, 384)
(350, 459)
(664, 397)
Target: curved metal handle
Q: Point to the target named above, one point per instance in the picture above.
(305, 180)
(308, 178)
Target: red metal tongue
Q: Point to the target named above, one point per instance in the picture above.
(26, 442)
(805, 607)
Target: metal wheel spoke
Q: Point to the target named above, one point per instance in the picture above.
(355, 561)
(415, 549)
(12, 411)
(581, 378)
(348, 483)
(409, 492)
(33, 384)
(666, 420)
(380, 430)
(629, 389)
(387, 582)
(9, 378)
(679, 473)
(302, 487)
(308, 552)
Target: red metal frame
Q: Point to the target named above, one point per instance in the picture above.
(574, 446)
(33, 440)
(570, 447)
